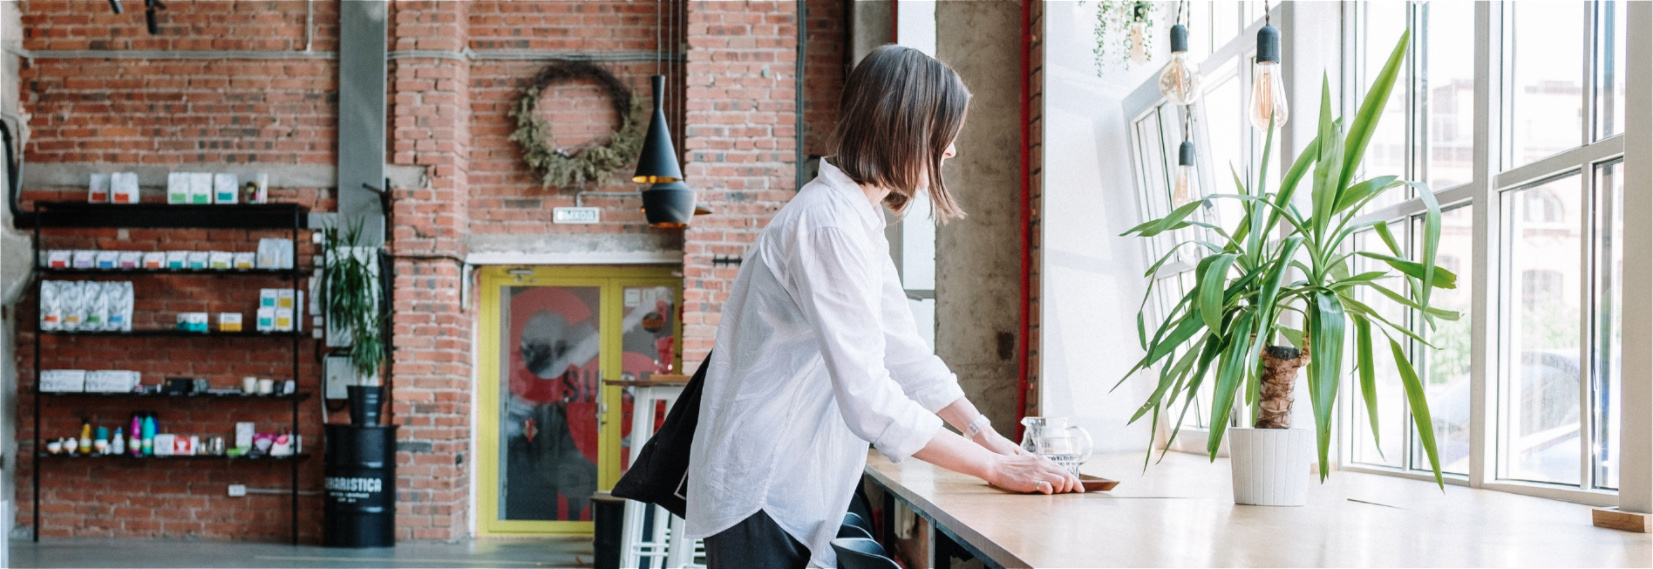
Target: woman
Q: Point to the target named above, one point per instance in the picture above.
(817, 354)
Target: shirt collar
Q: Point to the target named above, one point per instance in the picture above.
(870, 214)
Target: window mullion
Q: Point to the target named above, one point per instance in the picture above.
(1586, 340)
(1488, 149)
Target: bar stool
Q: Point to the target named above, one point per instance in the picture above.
(667, 547)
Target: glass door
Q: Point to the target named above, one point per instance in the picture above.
(550, 337)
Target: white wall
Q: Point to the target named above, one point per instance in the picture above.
(1092, 277)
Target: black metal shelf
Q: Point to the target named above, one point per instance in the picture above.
(287, 217)
(163, 333)
(237, 396)
(128, 457)
(172, 216)
(304, 272)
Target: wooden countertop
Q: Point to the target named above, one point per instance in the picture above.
(656, 380)
(1182, 513)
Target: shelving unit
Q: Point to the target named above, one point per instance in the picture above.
(63, 215)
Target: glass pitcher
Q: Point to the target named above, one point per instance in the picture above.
(1052, 438)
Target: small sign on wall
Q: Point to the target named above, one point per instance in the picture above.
(574, 215)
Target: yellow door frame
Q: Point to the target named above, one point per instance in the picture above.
(611, 281)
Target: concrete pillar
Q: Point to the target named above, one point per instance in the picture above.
(978, 258)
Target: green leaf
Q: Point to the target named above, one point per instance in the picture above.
(1420, 409)
(1431, 239)
(1447, 315)
(1326, 325)
(1360, 192)
(1157, 226)
(1229, 372)
(1440, 277)
(1371, 109)
(1368, 375)
(1271, 282)
(1212, 276)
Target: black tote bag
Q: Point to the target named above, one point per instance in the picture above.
(660, 475)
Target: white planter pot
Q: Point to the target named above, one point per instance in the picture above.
(1271, 466)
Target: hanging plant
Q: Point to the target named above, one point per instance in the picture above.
(1128, 24)
(563, 167)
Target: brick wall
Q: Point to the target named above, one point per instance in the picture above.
(826, 65)
(740, 145)
(1035, 205)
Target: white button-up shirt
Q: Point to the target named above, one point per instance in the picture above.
(816, 356)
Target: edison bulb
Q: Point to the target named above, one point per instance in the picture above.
(1268, 97)
(1268, 92)
(1180, 82)
(1139, 42)
(1183, 190)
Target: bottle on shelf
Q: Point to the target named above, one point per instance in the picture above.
(117, 445)
(85, 445)
(149, 428)
(134, 443)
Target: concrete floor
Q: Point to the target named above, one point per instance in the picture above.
(569, 552)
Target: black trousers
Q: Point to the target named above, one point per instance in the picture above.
(755, 543)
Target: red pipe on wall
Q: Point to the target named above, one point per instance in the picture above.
(1027, 214)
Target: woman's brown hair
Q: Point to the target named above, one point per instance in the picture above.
(900, 111)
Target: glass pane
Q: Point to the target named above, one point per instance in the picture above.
(1391, 396)
(1609, 321)
(1541, 414)
(1226, 132)
(548, 402)
(648, 334)
(924, 317)
(918, 244)
(1382, 24)
(1446, 93)
(1610, 77)
(1545, 67)
(1446, 368)
(1225, 21)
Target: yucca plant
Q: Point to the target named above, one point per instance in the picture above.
(1281, 260)
(352, 305)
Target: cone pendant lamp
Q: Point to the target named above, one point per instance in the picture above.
(658, 163)
(669, 204)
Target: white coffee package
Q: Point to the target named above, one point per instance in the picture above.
(154, 260)
(198, 260)
(220, 260)
(110, 381)
(51, 307)
(99, 190)
(256, 189)
(200, 187)
(266, 320)
(225, 188)
(59, 258)
(74, 307)
(177, 187)
(109, 260)
(123, 187)
(246, 260)
(97, 306)
(275, 253)
(131, 259)
(63, 380)
(118, 296)
(177, 259)
(283, 319)
(86, 259)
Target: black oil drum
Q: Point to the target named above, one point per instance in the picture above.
(360, 486)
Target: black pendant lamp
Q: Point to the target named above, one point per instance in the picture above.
(669, 204)
(658, 163)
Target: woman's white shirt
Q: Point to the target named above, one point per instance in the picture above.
(816, 356)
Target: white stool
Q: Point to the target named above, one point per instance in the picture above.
(668, 549)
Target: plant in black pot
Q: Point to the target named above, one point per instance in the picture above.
(354, 316)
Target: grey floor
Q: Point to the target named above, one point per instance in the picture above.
(569, 552)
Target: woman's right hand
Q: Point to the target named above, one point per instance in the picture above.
(1032, 473)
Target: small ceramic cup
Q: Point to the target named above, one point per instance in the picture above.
(249, 385)
(266, 386)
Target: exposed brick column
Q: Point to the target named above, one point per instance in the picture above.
(430, 114)
(739, 145)
(1036, 180)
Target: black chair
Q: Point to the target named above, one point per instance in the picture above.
(861, 553)
(848, 530)
(854, 519)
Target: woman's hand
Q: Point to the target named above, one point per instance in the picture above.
(1032, 473)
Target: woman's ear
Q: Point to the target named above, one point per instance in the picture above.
(952, 150)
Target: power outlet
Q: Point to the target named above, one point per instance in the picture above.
(238, 490)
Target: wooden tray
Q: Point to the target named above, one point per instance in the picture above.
(1096, 483)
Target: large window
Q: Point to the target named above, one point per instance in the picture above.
(1552, 194)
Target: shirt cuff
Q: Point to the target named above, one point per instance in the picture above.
(903, 438)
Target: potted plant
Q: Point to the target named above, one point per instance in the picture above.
(1280, 267)
(354, 316)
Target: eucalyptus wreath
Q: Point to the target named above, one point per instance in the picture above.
(563, 167)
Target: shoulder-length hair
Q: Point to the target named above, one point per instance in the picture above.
(900, 111)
